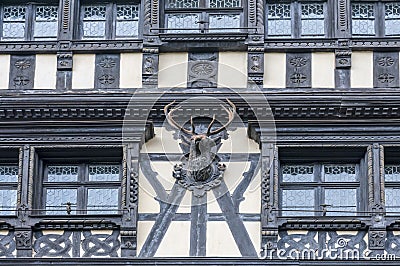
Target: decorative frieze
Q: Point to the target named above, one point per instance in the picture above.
(203, 70)
(298, 70)
(107, 71)
(386, 69)
(22, 71)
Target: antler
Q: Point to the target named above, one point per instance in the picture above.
(231, 116)
(171, 121)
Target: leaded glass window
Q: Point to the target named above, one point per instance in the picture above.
(307, 188)
(312, 19)
(29, 22)
(127, 24)
(110, 21)
(83, 188)
(8, 189)
(279, 20)
(392, 19)
(201, 16)
(46, 22)
(296, 19)
(363, 19)
(392, 190)
(14, 22)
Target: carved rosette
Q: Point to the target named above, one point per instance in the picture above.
(202, 70)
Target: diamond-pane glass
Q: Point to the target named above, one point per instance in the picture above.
(102, 201)
(392, 19)
(340, 173)
(104, 173)
(14, 22)
(57, 199)
(392, 173)
(279, 20)
(312, 19)
(363, 19)
(224, 3)
(127, 21)
(220, 23)
(178, 22)
(94, 21)
(8, 173)
(298, 173)
(300, 200)
(342, 200)
(392, 200)
(62, 173)
(8, 199)
(183, 3)
(46, 22)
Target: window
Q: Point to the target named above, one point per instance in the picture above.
(392, 189)
(375, 19)
(85, 188)
(8, 189)
(307, 188)
(213, 16)
(296, 19)
(29, 22)
(109, 21)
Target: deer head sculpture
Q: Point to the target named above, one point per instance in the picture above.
(201, 155)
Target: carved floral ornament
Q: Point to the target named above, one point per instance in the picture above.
(200, 169)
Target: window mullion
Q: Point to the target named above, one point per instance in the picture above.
(1, 21)
(296, 20)
(29, 17)
(110, 21)
(380, 19)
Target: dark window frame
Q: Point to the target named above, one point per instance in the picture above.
(295, 19)
(391, 157)
(110, 20)
(82, 157)
(323, 155)
(379, 18)
(30, 19)
(205, 13)
(319, 186)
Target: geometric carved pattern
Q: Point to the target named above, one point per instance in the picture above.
(68, 243)
(7, 245)
(202, 70)
(52, 245)
(341, 242)
(298, 70)
(386, 69)
(22, 70)
(392, 245)
(107, 71)
(100, 244)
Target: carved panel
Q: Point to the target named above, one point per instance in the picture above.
(392, 245)
(203, 68)
(376, 239)
(23, 239)
(107, 71)
(386, 69)
(22, 71)
(298, 70)
(68, 243)
(255, 65)
(7, 244)
(53, 245)
(100, 244)
(343, 18)
(150, 66)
